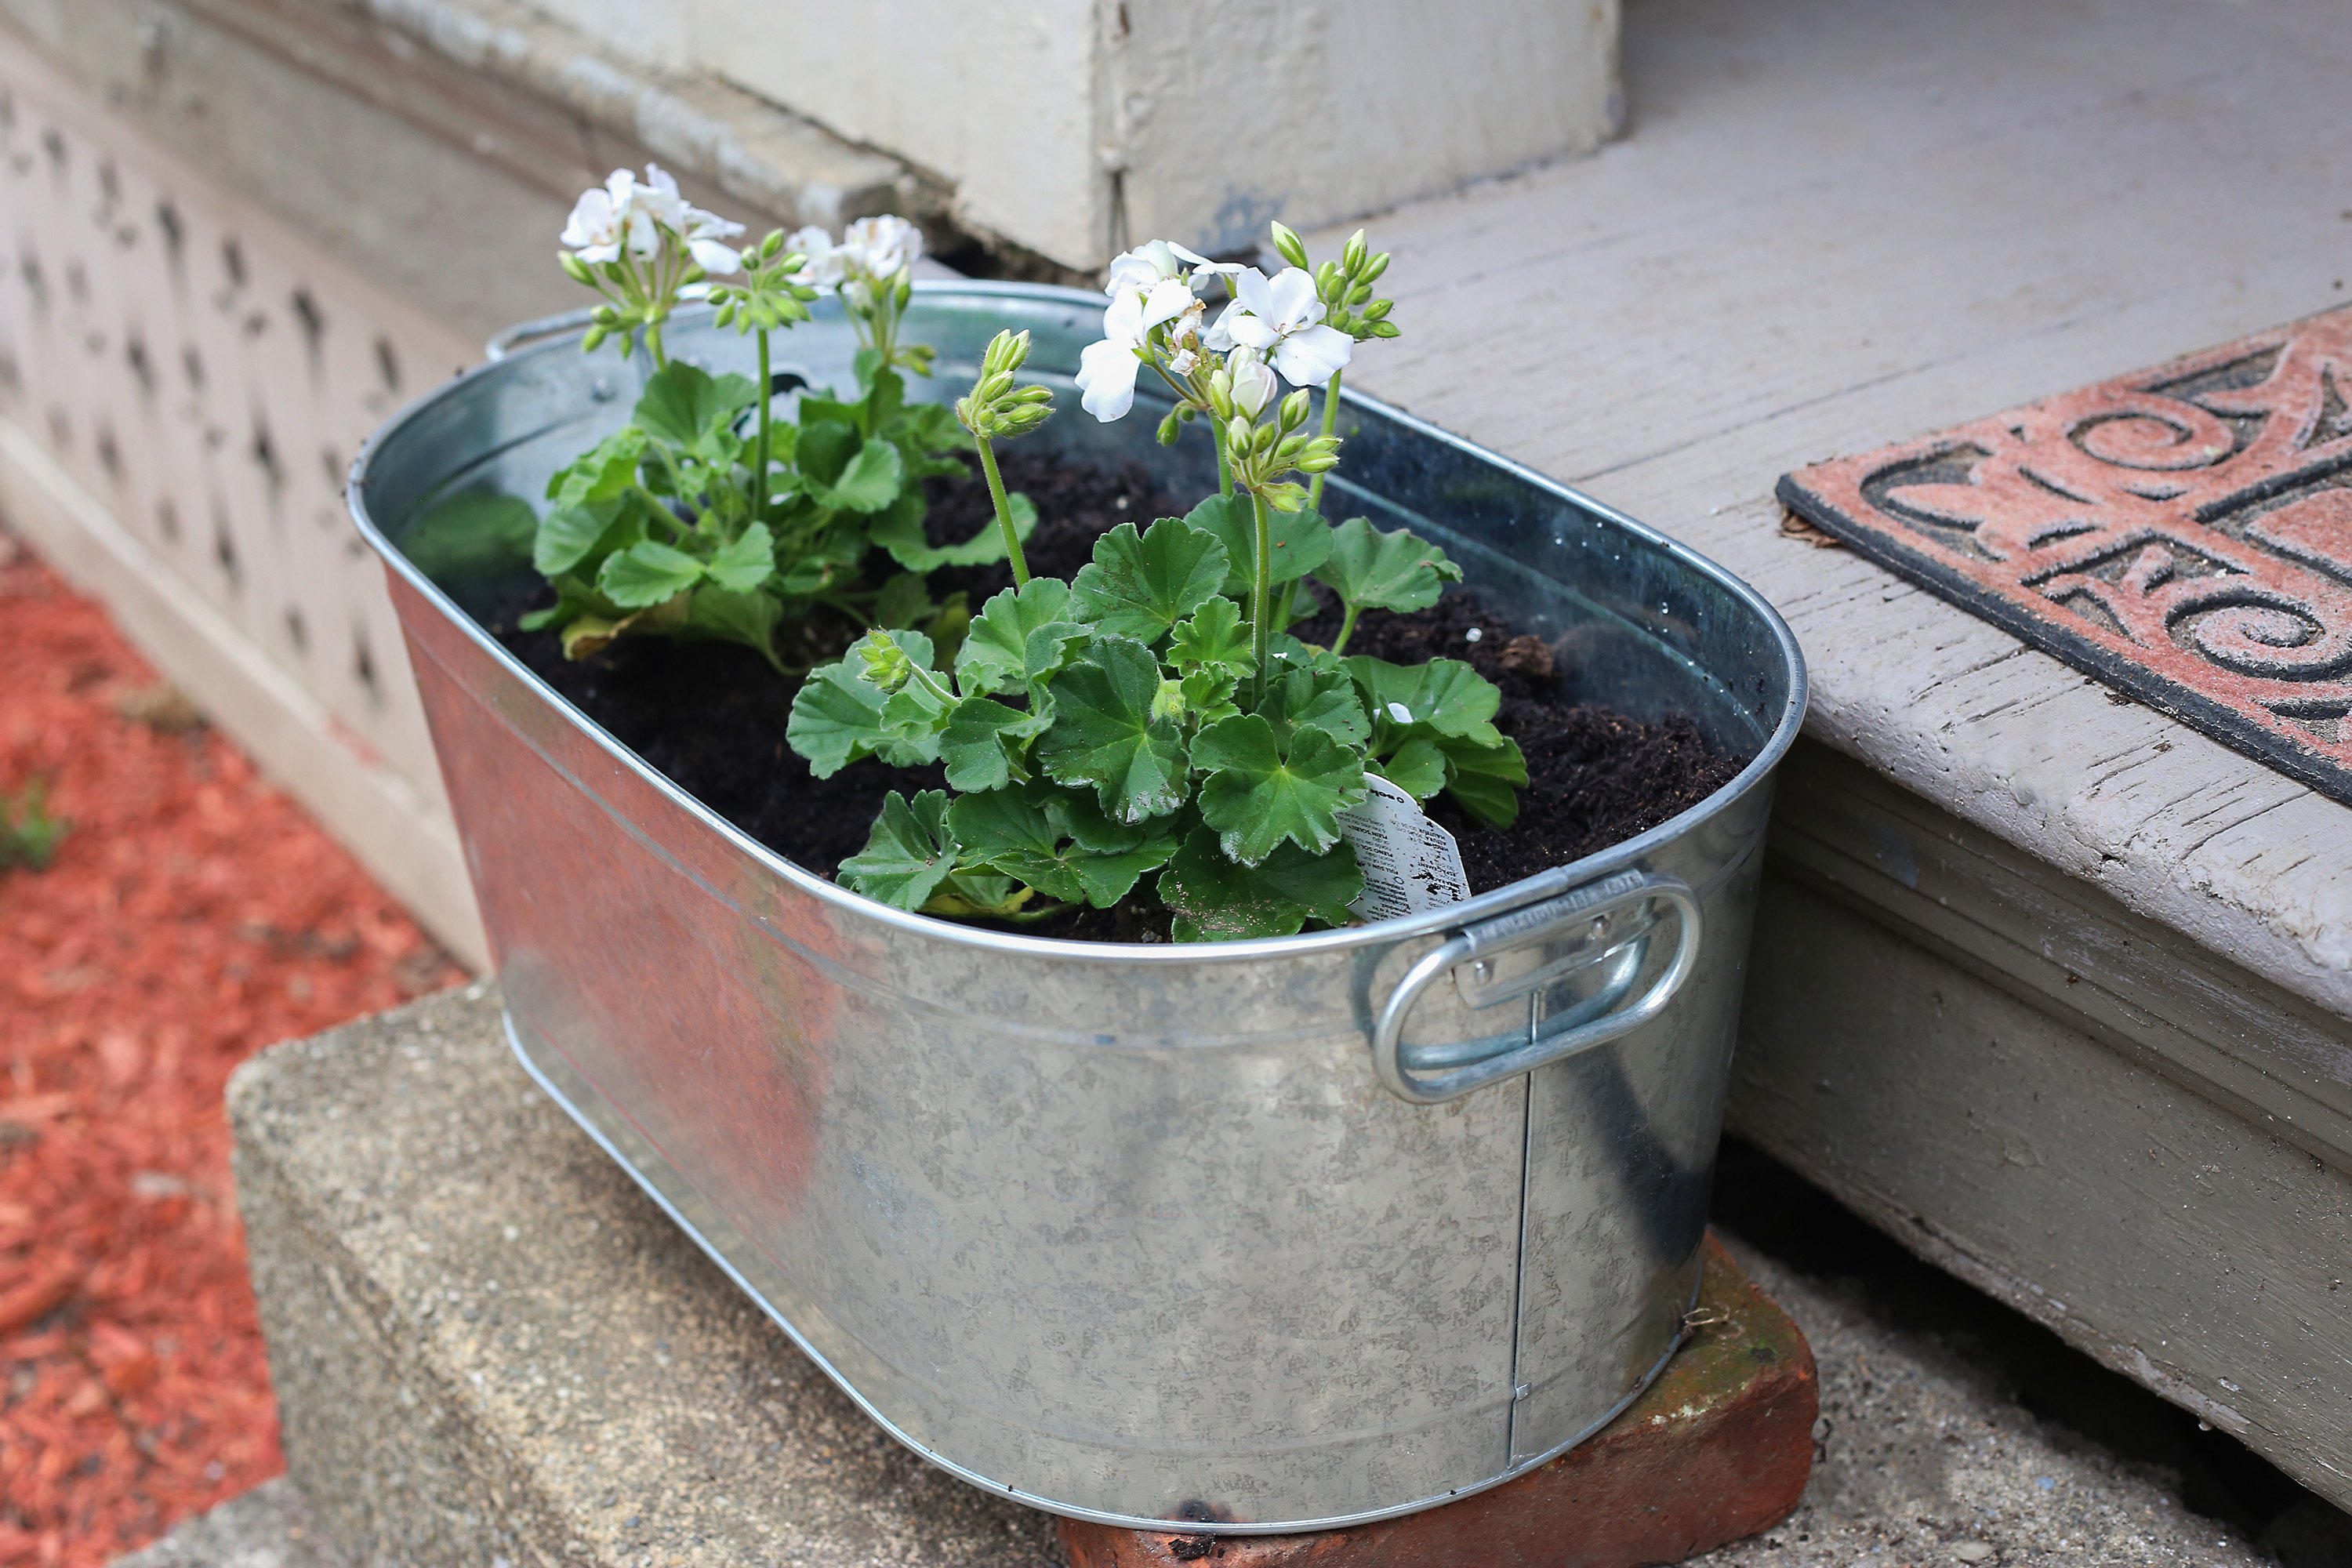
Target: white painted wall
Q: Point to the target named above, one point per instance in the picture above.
(1229, 112)
(998, 98)
(1066, 125)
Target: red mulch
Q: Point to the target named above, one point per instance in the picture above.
(193, 915)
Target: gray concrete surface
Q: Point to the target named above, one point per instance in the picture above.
(487, 1344)
(269, 1527)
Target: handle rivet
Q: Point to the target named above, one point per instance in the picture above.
(1522, 1391)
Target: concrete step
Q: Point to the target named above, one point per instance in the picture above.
(488, 1344)
(269, 1527)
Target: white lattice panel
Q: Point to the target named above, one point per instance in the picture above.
(206, 377)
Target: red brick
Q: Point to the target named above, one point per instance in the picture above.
(1716, 1449)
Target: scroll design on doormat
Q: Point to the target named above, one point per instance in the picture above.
(2183, 533)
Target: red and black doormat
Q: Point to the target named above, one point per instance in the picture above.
(2184, 534)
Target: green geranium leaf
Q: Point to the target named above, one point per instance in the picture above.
(1316, 697)
(574, 597)
(1300, 540)
(910, 852)
(1445, 695)
(1215, 638)
(1021, 637)
(1376, 571)
(1263, 790)
(825, 446)
(1140, 586)
(869, 482)
(983, 741)
(1418, 768)
(1105, 731)
(1018, 832)
(748, 618)
(687, 406)
(844, 712)
(647, 572)
(603, 471)
(1208, 693)
(903, 600)
(984, 893)
(1216, 900)
(584, 534)
(899, 530)
(829, 559)
(747, 564)
(1485, 778)
(929, 438)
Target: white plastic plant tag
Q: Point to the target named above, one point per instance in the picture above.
(1410, 863)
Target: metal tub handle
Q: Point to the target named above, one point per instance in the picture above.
(522, 334)
(1519, 954)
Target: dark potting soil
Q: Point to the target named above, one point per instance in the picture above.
(711, 716)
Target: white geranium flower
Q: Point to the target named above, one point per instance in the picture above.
(883, 246)
(609, 218)
(1161, 260)
(658, 199)
(1106, 377)
(1254, 385)
(825, 264)
(1283, 318)
(706, 236)
(629, 213)
(1400, 713)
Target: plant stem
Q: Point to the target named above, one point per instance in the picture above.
(1225, 470)
(1347, 629)
(1262, 591)
(760, 460)
(1330, 423)
(1004, 511)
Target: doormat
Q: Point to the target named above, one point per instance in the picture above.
(2183, 533)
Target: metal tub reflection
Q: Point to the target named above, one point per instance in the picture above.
(1262, 1235)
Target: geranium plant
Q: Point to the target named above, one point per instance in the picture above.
(1152, 721)
(708, 516)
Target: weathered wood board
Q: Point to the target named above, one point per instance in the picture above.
(1837, 224)
(2120, 1079)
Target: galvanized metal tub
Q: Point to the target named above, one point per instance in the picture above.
(1262, 1235)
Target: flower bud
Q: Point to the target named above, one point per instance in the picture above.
(575, 269)
(1378, 310)
(1317, 463)
(591, 339)
(1373, 269)
(771, 244)
(1237, 434)
(1263, 438)
(1385, 329)
(1359, 293)
(1351, 259)
(1327, 278)
(1172, 426)
(1288, 245)
(1285, 497)
(1293, 410)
